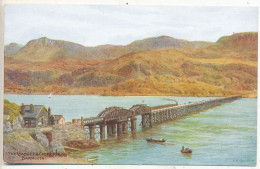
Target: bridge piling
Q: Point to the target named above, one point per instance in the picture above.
(92, 132)
(109, 130)
(102, 131)
(124, 126)
(133, 123)
(113, 130)
(143, 120)
(119, 128)
(151, 119)
(82, 122)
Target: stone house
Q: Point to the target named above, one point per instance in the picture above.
(35, 115)
(57, 119)
(38, 115)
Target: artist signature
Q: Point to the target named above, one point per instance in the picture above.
(242, 161)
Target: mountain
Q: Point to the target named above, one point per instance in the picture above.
(239, 41)
(153, 66)
(239, 45)
(45, 49)
(229, 73)
(12, 48)
(162, 42)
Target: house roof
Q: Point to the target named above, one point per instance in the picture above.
(57, 117)
(37, 109)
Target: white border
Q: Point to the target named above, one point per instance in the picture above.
(113, 2)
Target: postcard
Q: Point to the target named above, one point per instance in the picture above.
(130, 85)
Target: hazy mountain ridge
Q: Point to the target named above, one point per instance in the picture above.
(12, 48)
(219, 69)
(45, 49)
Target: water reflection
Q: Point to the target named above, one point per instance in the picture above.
(187, 155)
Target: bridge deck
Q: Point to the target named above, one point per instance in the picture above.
(144, 109)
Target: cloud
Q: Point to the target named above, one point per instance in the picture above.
(96, 25)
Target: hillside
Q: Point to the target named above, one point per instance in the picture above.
(12, 48)
(239, 46)
(45, 49)
(220, 69)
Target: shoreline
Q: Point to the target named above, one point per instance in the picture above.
(254, 95)
(26, 147)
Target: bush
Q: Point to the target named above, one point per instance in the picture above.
(11, 109)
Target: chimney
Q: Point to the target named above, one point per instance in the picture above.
(22, 109)
(31, 108)
(49, 116)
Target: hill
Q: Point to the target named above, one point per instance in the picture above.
(220, 69)
(239, 46)
(45, 49)
(12, 48)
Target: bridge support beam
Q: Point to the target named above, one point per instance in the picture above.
(151, 119)
(109, 130)
(119, 128)
(143, 120)
(133, 123)
(82, 122)
(160, 117)
(102, 132)
(92, 132)
(125, 126)
(113, 129)
(165, 115)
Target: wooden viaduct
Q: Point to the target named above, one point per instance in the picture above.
(116, 119)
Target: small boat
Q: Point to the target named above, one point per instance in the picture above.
(155, 140)
(71, 149)
(49, 95)
(186, 150)
(93, 158)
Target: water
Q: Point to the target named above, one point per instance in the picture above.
(224, 135)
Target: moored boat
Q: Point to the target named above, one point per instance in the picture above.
(49, 96)
(93, 158)
(155, 140)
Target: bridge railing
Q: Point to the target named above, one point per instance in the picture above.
(196, 103)
(93, 120)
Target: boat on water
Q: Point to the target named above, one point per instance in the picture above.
(186, 150)
(155, 140)
(93, 158)
(70, 149)
(49, 95)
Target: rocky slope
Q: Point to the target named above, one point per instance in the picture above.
(159, 66)
(44, 145)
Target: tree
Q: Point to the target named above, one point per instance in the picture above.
(11, 109)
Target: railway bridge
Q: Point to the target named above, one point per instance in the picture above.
(117, 120)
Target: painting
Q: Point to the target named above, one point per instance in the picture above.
(132, 85)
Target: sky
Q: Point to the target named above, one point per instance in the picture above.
(92, 25)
